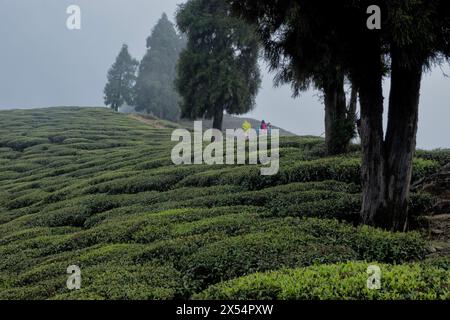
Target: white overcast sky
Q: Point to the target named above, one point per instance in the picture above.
(44, 64)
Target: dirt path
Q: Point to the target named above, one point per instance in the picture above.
(151, 122)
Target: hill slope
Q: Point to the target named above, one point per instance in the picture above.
(97, 189)
(229, 121)
(233, 122)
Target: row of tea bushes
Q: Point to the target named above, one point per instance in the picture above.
(205, 247)
(342, 169)
(347, 281)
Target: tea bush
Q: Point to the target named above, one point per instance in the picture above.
(442, 156)
(297, 242)
(136, 282)
(337, 282)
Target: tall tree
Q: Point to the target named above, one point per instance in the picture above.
(304, 61)
(413, 34)
(155, 90)
(219, 69)
(417, 33)
(121, 79)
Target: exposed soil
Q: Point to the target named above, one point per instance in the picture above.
(151, 122)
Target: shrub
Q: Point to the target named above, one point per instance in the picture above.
(135, 282)
(328, 185)
(136, 184)
(339, 169)
(342, 206)
(110, 281)
(227, 224)
(303, 143)
(346, 281)
(230, 199)
(75, 212)
(33, 292)
(343, 169)
(26, 200)
(21, 143)
(423, 168)
(57, 139)
(153, 164)
(420, 204)
(246, 254)
(8, 175)
(440, 155)
(295, 243)
(442, 262)
(378, 245)
(323, 204)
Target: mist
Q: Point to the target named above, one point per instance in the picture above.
(44, 64)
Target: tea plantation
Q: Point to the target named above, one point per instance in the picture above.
(97, 189)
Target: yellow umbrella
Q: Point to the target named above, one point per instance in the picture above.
(246, 126)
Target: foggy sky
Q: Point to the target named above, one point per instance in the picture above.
(42, 64)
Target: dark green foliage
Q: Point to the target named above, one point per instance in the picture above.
(218, 71)
(325, 205)
(296, 242)
(154, 91)
(442, 262)
(121, 79)
(337, 282)
(343, 169)
(21, 143)
(441, 155)
(302, 60)
(129, 282)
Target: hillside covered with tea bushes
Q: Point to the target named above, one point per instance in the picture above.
(97, 189)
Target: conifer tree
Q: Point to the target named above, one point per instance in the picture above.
(155, 92)
(219, 69)
(121, 79)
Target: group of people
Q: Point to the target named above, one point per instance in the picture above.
(264, 128)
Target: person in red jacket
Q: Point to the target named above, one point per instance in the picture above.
(263, 125)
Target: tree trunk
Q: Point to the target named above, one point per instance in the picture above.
(217, 120)
(400, 142)
(371, 131)
(337, 138)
